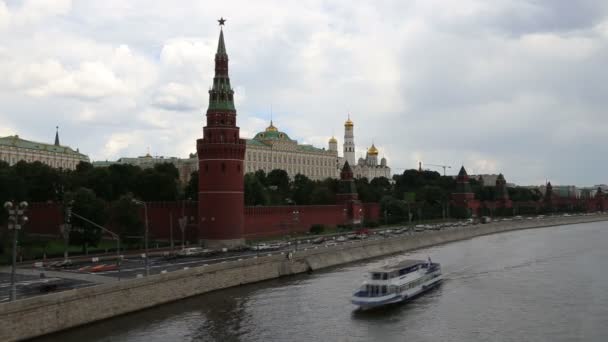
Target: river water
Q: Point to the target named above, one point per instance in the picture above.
(547, 284)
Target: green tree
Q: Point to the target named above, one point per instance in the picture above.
(86, 204)
(302, 189)
(279, 179)
(125, 218)
(394, 210)
(123, 177)
(322, 195)
(153, 185)
(41, 181)
(255, 192)
(191, 189)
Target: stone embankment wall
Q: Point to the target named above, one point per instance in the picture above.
(54, 312)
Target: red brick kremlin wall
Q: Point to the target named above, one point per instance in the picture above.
(45, 218)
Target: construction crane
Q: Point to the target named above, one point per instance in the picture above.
(443, 166)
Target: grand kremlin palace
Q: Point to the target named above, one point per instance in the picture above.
(273, 149)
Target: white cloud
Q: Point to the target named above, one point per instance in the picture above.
(506, 86)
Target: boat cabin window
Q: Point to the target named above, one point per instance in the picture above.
(376, 290)
(379, 276)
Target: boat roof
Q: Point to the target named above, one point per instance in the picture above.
(399, 265)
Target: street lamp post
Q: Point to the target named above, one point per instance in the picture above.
(16, 220)
(145, 234)
(361, 217)
(295, 222)
(111, 233)
(66, 229)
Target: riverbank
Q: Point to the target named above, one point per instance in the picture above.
(46, 314)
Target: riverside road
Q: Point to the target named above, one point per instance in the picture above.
(532, 285)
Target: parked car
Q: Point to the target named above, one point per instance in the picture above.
(419, 228)
(340, 239)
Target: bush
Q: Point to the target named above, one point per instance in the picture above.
(317, 228)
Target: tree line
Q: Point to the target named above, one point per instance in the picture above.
(105, 194)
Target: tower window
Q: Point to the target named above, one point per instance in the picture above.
(223, 167)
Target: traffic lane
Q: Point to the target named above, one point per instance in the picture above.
(29, 286)
(131, 267)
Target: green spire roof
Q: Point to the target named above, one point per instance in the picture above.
(221, 46)
(57, 137)
(221, 95)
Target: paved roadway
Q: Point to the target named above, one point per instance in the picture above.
(29, 285)
(133, 266)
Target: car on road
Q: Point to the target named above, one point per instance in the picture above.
(419, 228)
(318, 240)
(60, 264)
(341, 239)
(195, 251)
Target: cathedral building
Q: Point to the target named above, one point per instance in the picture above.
(367, 167)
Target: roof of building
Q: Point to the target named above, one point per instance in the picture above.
(462, 171)
(333, 140)
(372, 151)
(272, 134)
(15, 141)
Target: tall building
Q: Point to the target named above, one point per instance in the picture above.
(367, 167)
(349, 142)
(14, 149)
(221, 154)
(273, 149)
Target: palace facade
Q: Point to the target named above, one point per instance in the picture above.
(273, 149)
(13, 149)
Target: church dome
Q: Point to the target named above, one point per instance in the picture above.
(333, 140)
(271, 128)
(372, 151)
(348, 122)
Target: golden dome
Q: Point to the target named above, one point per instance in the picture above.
(333, 140)
(271, 128)
(372, 151)
(348, 123)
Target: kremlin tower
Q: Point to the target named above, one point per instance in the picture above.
(221, 152)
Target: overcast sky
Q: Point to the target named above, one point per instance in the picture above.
(511, 86)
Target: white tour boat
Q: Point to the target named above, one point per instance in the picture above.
(397, 283)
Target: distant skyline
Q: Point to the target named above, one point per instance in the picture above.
(517, 87)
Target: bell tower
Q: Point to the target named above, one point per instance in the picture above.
(221, 152)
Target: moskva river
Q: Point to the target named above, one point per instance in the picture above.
(547, 284)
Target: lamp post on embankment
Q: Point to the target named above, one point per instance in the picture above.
(147, 265)
(114, 236)
(16, 220)
(296, 219)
